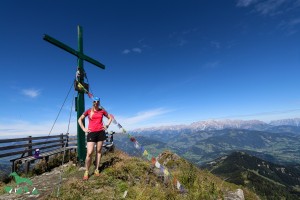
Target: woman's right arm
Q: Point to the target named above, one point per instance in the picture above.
(81, 118)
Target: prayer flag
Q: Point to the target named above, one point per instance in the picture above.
(166, 172)
(153, 160)
(157, 165)
(175, 181)
(90, 95)
(136, 145)
(145, 153)
(80, 86)
(181, 188)
(149, 157)
(178, 185)
(142, 148)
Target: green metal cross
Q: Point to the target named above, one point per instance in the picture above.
(80, 98)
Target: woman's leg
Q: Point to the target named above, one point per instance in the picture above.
(99, 148)
(88, 159)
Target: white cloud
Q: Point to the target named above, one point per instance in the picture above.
(26, 128)
(211, 64)
(245, 3)
(31, 92)
(294, 22)
(290, 26)
(182, 42)
(181, 38)
(269, 7)
(142, 119)
(22, 128)
(215, 44)
(126, 51)
(142, 43)
(137, 50)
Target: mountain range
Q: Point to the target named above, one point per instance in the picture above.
(223, 124)
(200, 142)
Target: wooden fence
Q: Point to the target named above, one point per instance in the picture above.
(21, 150)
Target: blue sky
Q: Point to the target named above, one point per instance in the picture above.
(167, 62)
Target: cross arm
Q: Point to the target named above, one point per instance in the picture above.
(93, 61)
(72, 51)
(60, 44)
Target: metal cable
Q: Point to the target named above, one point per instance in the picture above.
(60, 176)
(60, 109)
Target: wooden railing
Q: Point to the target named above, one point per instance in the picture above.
(23, 150)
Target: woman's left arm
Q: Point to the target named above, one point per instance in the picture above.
(109, 120)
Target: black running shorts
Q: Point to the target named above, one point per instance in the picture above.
(96, 136)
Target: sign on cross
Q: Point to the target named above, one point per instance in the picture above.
(81, 151)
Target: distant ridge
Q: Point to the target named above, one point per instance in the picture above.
(203, 141)
(224, 124)
(285, 122)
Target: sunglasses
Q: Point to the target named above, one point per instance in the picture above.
(96, 101)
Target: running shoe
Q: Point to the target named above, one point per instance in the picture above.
(86, 175)
(97, 172)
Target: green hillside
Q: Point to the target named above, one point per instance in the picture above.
(268, 180)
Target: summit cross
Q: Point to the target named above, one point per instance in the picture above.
(81, 151)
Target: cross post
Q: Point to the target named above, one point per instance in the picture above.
(81, 150)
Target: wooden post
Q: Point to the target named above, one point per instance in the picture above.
(13, 167)
(67, 140)
(62, 140)
(27, 165)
